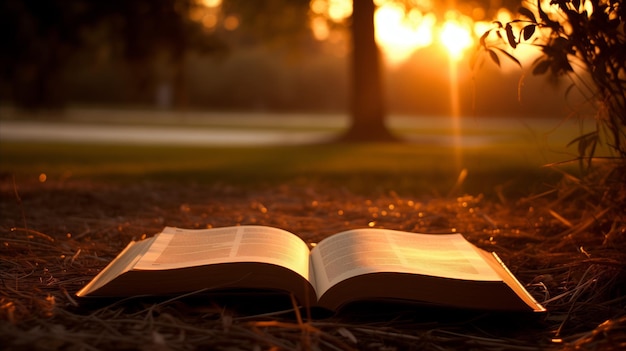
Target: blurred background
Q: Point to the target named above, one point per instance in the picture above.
(264, 56)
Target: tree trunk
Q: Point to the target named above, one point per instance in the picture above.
(367, 107)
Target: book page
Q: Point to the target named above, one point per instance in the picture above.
(178, 248)
(120, 264)
(363, 251)
(510, 280)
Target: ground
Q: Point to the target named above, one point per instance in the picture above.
(56, 235)
(71, 200)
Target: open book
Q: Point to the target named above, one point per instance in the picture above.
(355, 265)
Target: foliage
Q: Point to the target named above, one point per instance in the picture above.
(280, 24)
(584, 40)
(39, 38)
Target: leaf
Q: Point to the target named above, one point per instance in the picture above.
(528, 31)
(562, 44)
(510, 36)
(585, 140)
(527, 13)
(587, 144)
(484, 37)
(511, 57)
(494, 57)
(541, 67)
(544, 17)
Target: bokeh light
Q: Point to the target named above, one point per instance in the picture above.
(456, 37)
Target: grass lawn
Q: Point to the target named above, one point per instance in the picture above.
(411, 167)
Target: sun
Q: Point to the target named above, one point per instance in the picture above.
(456, 38)
(399, 34)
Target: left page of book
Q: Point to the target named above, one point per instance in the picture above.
(179, 248)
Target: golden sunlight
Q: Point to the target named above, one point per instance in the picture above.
(231, 22)
(211, 3)
(336, 10)
(456, 36)
(328, 10)
(206, 12)
(339, 9)
(320, 28)
(400, 34)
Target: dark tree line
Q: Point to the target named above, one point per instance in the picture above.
(39, 37)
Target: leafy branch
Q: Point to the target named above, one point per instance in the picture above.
(582, 39)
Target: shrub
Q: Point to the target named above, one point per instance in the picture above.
(585, 41)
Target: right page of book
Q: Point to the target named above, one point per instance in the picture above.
(363, 251)
(178, 248)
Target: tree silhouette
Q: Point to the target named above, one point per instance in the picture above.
(367, 106)
(283, 21)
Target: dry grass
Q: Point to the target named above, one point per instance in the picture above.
(567, 246)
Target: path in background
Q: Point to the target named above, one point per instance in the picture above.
(159, 135)
(244, 129)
